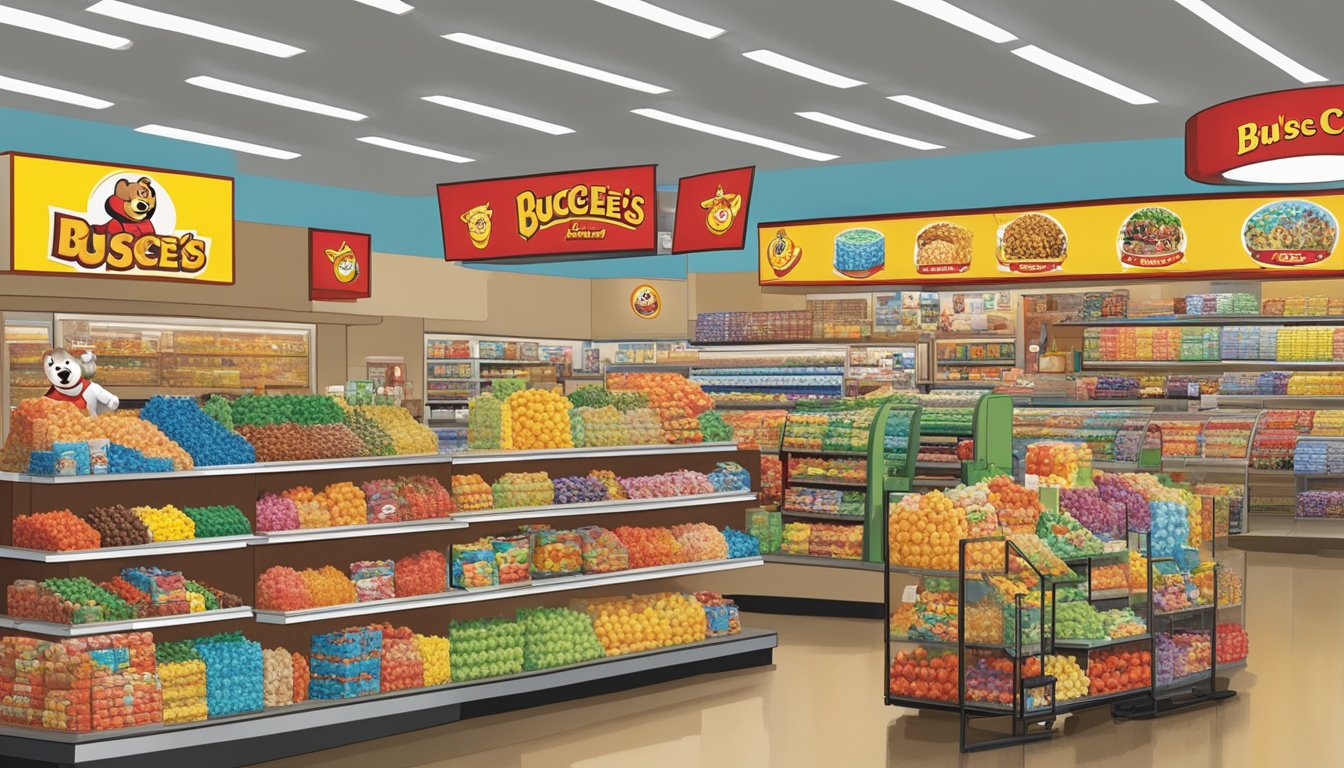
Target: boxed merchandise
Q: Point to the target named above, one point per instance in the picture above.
(474, 565)
(346, 664)
(768, 528)
(233, 674)
(402, 667)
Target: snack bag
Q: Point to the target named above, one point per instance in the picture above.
(474, 565)
(512, 559)
(602, 551)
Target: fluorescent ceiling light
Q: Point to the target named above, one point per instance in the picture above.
(1249, 41)
(271, 97)
(1045, 59)
(494, 113)
(802, 69)
(182, 25)
(729, 133)
(863, 130)
(665, 17)
(53, 94)
(947, 113)
(945, 11)
(564, 65)
(401, 146)
(391, 6)
(217, 141)
(47, 25)
(1308, 169)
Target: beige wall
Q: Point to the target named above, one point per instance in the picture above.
(614, 319)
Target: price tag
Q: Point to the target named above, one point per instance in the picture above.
(910, 594)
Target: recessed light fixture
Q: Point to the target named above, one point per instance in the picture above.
(863, 130)
(53, 94)
(413, 149)
(729, 133)
(271, 97)
(665, 17)
(16, 17)
(545, 60)
(391, 6)
(1047, 60)
(945, 11)
(801, 69)
(494, 113)
(136, 14)
(182, 134)
(947, 113)
(1249, 41)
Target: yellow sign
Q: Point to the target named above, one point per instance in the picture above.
(1224, 236)
(71, 217)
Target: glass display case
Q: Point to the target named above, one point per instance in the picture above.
(1115, 435)
(27, 337)
(140, 357)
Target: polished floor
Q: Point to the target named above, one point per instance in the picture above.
(821, 706)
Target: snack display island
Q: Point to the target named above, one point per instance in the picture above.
(244, 602)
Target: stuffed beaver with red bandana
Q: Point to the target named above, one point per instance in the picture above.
(130, 206)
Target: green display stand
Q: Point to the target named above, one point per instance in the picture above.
(889, 479)
(992, 428)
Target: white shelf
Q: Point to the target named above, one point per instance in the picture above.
(603, 507)
(155, 549)
(260, 468)
(360, 531)
(1268, 365)
(133, 625)
(496, 457)
(544, 586)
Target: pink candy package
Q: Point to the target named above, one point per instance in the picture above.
(374, 579)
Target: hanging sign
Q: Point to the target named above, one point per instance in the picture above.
(600, 212)
(1284, 137)
(72, 217)
(712, 211)
(340, 265)
(1190, 237)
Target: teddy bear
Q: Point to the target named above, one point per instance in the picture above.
(70, 378)
(130, 206)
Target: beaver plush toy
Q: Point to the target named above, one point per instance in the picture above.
(70, 382)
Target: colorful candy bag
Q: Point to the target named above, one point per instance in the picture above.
(556, 553)
(602, 551)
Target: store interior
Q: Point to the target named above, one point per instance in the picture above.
(391, 382)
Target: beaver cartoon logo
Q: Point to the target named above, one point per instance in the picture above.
(343, 263)
(70, 381)
(139, 231)
(723, 211)
(478, 225)
(646, 302)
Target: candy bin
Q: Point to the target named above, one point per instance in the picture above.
(919, 674)
(1234, 644)
(924, 531)
(233, 674)
(650, 547)
(1229, 585)
(989, 677)
(700, 541)
(482, 648)
(488, 424)
(218, 521)
(312, 513)
(281, 588)
(125, 700)
(513, 559)
(1065, 537)
(435, 655)
(424, 573)
(602, 551)
(1086, 505)
(1058, 463)
(523, 489)
(1070, 680)
(645, 622)
(772, 480)
(1078, 621)
(582, 489)
(1182, 653)
(540, 419)
(182, 681)
(741, 544)
(608, 479)
(328, 586)
(402, 665)
(383, 504)
(474, 565)
(58, 531)
(1124, 668)
(730, 476)
(374, 580)
(796, 539)
(276, 513)
(839, 541)
(117, 526)
(301, 677)
(768, 528)
(345, 504)
(471, 493)
(425, 498)
(346, 664)
(557, 637)
(556, 553)
(277, 677)
(166, 523)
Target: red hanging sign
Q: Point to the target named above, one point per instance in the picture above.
(1283, 137)
(340, 265)
(712, 211)
(599, 212)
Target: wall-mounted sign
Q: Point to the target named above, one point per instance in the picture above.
(712, 211)
(646, 302)
(601, 212)
(1172, 238)
(340, 265)
(72, 217)
(1284, 137)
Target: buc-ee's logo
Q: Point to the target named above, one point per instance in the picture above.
(344, 263)
(722, 210)
(646, 302)
(129, 223)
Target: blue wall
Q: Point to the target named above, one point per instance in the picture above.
(410, 224)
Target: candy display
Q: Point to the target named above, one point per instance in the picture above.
(739, 544)
(1233, 643)
(841, 541)
(603, 552)
(729, 476)
(1182, 653)
(345, 664)
(1070, 680)
(1065, 537)
(645, 622)
(679, 483)
(1113, 670)
(471, 493)
(557, 637)
(276, 513)
(1100, 517)
(295, 442)
(486, 648)
(435, 655)
(767, 526)
(280, 588)
(796, 539)
(523, 489)
(560, 553)
(234, 678)
(374, 579)
(474, 565)
(59, 531)
(209, 442)
(328, 586)
(700, 541)
(277, 677)
(583, 489)
(540, 420)
(167, 523)
(1078, 621)
(1058, 463)
(401, 666)
(650, 547)
(218, 521)
(918, 674)
(375, 441)
(424, 573)
(489, 424)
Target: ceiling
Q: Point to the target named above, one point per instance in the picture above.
(381, 64)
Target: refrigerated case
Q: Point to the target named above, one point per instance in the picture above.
(139, 357)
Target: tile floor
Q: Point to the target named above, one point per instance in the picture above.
(822, 707)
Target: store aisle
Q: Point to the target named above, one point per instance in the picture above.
(821, 707)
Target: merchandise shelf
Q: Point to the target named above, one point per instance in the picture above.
(1219, 365)
(559, 584)
(359, 531)
(603, 507)
(1087, 645)
(824, 562)
(132, 625)
(315, 725)
(822, 516)
(1208, 320)
(187, 546)
(821, 482)
(259, 468)
(503, 457)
